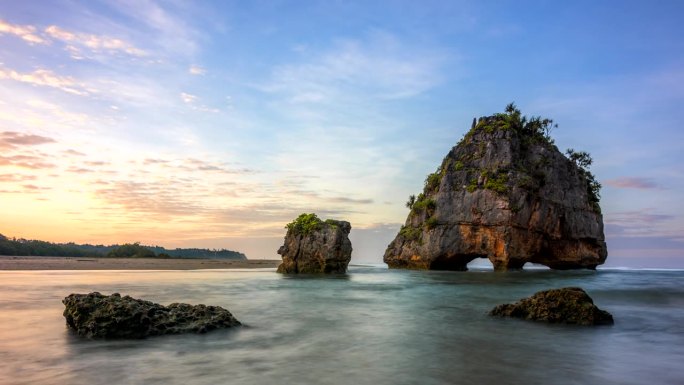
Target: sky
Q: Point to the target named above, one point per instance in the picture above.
(214, 123)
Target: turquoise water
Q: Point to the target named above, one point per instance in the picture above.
(372, 326)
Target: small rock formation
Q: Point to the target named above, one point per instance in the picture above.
(570, 305)
(315, 246)
(96, 315)
(504, 192)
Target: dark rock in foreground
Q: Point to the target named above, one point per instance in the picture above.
(315, 246)
(100, 316)
(570, 305)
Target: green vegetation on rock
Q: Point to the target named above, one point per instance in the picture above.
(411, 233)
(583, 161)
(531, 129)
(497, 182)
(432, 181)
(304, 224)
(424, 204)
(431, 223)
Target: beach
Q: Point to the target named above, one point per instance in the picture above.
(72, 263)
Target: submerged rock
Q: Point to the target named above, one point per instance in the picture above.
(96, 315)
(504, 192)
(315, 246)
(570, 305)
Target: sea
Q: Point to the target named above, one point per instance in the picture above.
(370, 326)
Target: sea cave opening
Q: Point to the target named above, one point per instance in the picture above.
(480, 263)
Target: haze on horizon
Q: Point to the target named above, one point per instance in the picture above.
(212, 124)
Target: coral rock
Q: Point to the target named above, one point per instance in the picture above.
(96, 315)
(570, 305)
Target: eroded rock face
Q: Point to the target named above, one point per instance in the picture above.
(505, 193)
(570, 305)
(96, 315)
(323, 247)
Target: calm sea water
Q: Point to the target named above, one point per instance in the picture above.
(372, 326)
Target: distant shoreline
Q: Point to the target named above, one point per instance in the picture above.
(80, 263)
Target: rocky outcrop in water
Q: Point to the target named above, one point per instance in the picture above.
(570, 305)
(96, 315)
(504, 192)
(315, 246)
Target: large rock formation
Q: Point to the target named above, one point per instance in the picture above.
(100, 316)
(570, 305)
(506, 193)
(315, 246)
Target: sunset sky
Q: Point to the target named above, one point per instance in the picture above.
(214, 123)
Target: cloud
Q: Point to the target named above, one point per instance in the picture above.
(25, 161)
(96, 163)
(192, 164)
(45, 78)
(25, 32)
(644, 216)
(196, 70)
(34, 188)
(188, 98)
(171, 30)
(158, 200)
(95, 43)
(16, 177)
(191, 100)
(351, 200)
(632, 182)
(380, 67)
(9, 139)
(80, 170)
(73, 152)
(149, 161)
(640, 223)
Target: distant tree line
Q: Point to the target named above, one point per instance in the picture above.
(25, 247)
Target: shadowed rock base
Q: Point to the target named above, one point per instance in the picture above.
(96, 315)
(570, 305)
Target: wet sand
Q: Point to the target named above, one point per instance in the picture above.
(69, 263)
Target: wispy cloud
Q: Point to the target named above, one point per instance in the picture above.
(34, 188)
(632, 182)
(76, 42)
(10, 139)
(45, 78)
(16, 177)
(638, 217)
(379, 67)
(27, 33)
(25, 161)
(73, 152)
(646, 222)
(188, 98)
(197, 70)
(170, 28)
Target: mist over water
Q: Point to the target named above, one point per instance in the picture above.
(371, 326)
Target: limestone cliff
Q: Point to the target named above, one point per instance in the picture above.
(504, 192)
(315, 246)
